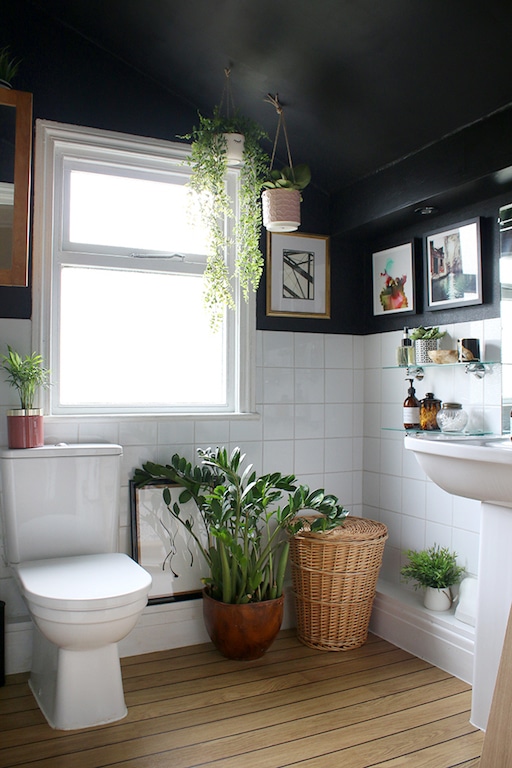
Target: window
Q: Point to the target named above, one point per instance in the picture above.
(118, 285)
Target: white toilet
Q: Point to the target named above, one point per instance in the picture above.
(61, 512)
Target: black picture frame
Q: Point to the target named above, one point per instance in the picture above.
(162, 545)
(453, 266)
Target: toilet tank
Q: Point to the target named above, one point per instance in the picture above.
(60, 500)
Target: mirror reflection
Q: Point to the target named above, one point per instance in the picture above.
(15, 162)
(506, 311)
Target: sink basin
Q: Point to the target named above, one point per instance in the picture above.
(480, 468)
(474, 467)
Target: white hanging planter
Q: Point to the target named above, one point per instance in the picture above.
(437, 599)
(235, 143)
(281, 209)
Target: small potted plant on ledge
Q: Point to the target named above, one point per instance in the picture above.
(426, 340)
(247, 544)
(435, 570)
(26, 374)
(8, 67)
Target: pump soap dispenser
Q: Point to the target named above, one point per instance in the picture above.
(411, 409)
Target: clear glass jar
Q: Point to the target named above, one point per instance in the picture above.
(452, 418)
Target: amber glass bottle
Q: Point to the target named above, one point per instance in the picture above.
(411, 409)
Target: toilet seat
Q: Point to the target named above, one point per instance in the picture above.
(83, 583)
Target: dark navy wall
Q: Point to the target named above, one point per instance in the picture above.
(75, 82)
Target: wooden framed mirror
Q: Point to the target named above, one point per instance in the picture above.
(15, 173)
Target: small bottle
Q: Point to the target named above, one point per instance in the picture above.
(405, 352)
(411, 409)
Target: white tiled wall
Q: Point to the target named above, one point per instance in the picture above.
(327, 411)
(395, 488)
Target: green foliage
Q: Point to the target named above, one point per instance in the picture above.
(247, 549)
(8, 65)
(297, 177)
(209, 165)
(434, 567)
(25, 375)
(426, 334)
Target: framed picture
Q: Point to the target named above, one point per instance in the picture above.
(453, 266)
(298, 275)
(393, 280)
(163, 546)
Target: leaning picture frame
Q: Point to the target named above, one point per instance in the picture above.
(453, 266)
(298, 275)
(393, 280)
(163, 546)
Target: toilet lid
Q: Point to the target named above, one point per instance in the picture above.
(84, 581)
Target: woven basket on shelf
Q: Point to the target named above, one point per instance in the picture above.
(334, 577)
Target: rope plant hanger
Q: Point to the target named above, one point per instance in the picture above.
(281, 197)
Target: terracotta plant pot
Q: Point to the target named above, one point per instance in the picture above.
(25, 428)
(281, 209)
(242, 632)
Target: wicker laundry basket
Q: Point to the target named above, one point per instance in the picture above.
(334, 576)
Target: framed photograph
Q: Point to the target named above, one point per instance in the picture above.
(393, 280)
(298, 275)
(453, 266)
(163, 546)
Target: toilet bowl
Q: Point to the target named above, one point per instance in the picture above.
(82, 606)
(60, 507)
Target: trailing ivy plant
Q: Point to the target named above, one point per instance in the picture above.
(208, 161)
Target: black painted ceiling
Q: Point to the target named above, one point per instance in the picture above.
(364, 83)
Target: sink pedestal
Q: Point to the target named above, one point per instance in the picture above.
(480, 469)
(494, 601)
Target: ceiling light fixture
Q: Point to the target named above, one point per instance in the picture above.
(426, 210)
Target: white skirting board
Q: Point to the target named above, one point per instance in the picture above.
(398, 616)
(438, 637)
(160, 627)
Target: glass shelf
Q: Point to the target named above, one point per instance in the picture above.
(478, 368)
(433, 432)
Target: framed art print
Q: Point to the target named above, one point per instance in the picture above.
(163, 546)
(453, 266)
(393, 280)
(298, 275)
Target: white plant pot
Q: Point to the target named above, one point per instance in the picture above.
(235, 143)
(437, 599)
(281, 209)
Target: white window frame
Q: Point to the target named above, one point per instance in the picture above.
(58, 144)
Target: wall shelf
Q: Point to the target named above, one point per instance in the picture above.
(478, 368)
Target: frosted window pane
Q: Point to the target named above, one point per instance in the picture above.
(137, 338)
(129, 212)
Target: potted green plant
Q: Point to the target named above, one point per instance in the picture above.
(26, 375)
(434, 569)
(8, 67)
(281, 197)
(211, 141)
(426, 340)
(247, 540)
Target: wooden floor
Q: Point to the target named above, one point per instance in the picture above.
(375, 706)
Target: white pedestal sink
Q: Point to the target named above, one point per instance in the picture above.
(480, 468)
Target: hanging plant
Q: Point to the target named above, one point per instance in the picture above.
(281, 197)
(209, 163)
